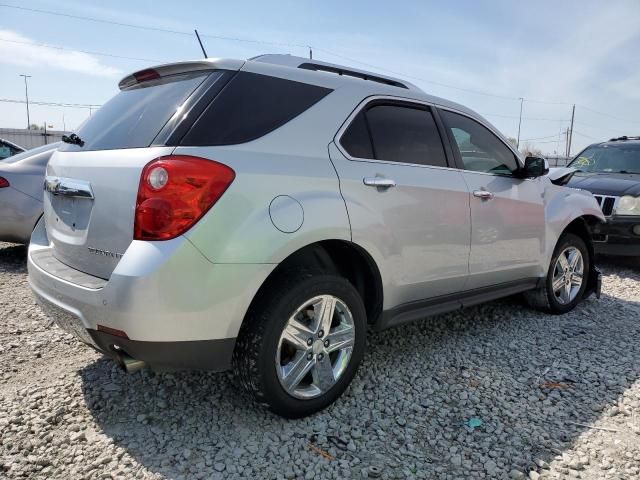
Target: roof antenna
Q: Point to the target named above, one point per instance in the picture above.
(204, 52)
(310, 52)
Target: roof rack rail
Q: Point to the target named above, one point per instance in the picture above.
(624, 137)
(351, 73)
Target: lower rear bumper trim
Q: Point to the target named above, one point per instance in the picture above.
(213, 355)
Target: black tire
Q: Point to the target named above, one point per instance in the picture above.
(543, 298)
(255, 352)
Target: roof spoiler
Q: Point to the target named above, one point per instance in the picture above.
(180, 67)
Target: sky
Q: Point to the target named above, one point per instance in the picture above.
(485, 54)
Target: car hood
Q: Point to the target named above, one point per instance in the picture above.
(614, 184)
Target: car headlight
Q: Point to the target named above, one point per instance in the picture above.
(628, 205)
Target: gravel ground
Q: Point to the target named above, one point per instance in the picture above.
(497, 391)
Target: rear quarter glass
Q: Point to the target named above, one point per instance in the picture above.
(134, 117)
(250, 106)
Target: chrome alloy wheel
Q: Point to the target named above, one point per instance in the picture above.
(315, 347)
(568, 275)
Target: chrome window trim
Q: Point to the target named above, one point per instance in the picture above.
(374, 98)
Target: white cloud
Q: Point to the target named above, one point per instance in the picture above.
(17, 49)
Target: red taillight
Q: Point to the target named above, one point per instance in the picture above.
(146, 75)
(4, 183)
(175, 192)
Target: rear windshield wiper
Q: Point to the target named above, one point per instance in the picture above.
(73, 139)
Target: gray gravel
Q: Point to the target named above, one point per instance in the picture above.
(497, 391)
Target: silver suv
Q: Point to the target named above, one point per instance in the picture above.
(263, 214)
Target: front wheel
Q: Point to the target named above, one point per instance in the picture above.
(566, 279)
(301, 344)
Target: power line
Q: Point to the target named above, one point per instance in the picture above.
(588, 125)
(547, 102)
(583, 135)
(287, 44)
(609, 115)
(250, 40)
(377, 67)
(88, 106)
(526, 118)
(550, 141)
(148, 28)
(539, 138)
(81, 51)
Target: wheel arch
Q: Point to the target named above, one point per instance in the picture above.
(581, 226)
(340, 257)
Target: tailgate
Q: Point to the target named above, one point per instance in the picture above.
(90, 206)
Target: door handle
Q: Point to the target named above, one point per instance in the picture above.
(379, 182)
(483, 194)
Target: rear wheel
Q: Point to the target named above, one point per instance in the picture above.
(301, 344)
(566, 279)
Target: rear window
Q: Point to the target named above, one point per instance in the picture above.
(251, 106)
(134, 117)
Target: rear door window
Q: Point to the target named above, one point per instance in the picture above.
(395, 133)
(251, 106)
(134, 117)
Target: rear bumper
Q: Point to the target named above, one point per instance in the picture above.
(175, 309)
(617, 236)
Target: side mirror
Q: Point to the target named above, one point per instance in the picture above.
(535, 167)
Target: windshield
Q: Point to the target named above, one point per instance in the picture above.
(609, 158)
(133, 118)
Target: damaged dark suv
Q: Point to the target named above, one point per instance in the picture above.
(611, 171)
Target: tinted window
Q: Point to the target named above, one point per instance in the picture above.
(401, 134)
(251, 106)
(133, 118)
(480, 150)
(356, 140)
(614, 157)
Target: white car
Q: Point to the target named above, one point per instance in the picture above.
(263, 214)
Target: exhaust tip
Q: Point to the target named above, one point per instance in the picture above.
(132, 365)
(129, 364)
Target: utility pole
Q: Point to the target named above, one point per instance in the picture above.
(26, 94)
(519, 124)
(573, 114)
